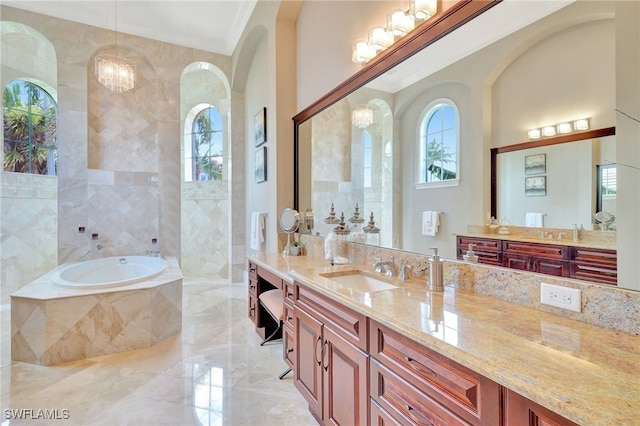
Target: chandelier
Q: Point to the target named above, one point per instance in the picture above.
(113, 72)
(362, 116)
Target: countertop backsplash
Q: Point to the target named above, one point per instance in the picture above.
(602, 305)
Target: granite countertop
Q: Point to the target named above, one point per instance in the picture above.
(566, 241)
(588, 374)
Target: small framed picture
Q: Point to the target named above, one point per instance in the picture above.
(260, 166)
(260, 127)
(535, 186)
(535, 164)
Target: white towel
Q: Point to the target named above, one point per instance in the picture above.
(257, 230)
(430, 223)
(534, 220)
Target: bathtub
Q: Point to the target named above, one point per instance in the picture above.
(95, 308)
(109, 272)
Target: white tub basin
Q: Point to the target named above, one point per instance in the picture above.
(358, 281)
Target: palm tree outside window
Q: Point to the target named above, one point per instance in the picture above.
(207, 152)
(439, 139)
(30, 129)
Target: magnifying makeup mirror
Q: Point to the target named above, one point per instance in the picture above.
(289, 222)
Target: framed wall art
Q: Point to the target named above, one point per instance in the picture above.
(260, 165)
(535, 186)
(535, 164)
(260, 126)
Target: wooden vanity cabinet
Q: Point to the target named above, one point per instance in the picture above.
(591, 264)
(584, 263)
(253, 295)
(546, 259)
(331, 364)
(488, 251)
(520, 411)
(415, 385)
(288, 333)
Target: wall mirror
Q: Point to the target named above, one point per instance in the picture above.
(396, 77)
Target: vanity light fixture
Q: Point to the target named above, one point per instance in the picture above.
(564, 128)
(581, 124)
(534, 134)
(113, 72)
(560, 129)
(548, 131)
(362, 116)
(399, 23)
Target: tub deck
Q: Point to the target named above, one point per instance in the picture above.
(51, 324)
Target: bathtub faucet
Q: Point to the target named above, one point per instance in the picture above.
(98, 247)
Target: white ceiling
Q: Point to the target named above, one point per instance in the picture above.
(211, 25)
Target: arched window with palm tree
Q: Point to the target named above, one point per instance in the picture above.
(439, 144)
(206, 159)
(30, 123)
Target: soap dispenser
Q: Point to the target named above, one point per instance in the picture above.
(471, 256)
(435, 271)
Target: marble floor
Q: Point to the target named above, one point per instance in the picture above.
(214, 373)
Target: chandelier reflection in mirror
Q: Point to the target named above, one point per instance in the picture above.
(113, 72)
(362, 116)
(398, 24)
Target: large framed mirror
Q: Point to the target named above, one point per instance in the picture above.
(502, 87)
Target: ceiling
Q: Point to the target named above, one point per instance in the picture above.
(211, 25)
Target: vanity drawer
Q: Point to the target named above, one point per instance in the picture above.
(405, 403)
(348, 324)
(288, 314)
(594, 255)
(484, 244)
(253, 308)
(471, 396)
(288, 289)
(253, 270)
(488, 251)
(534, 249)
(253, 286)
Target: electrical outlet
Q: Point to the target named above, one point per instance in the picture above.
(560, 297)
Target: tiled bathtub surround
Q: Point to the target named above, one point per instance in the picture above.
(52, 325)
(602, 305)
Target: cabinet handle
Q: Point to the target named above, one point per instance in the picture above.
(417, 417)
(252, 309)
(315, 351)
(289, 350)
(289, 318)
(324, 345)
(419, 367)
(289, 294)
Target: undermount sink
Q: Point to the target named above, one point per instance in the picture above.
(358, 281)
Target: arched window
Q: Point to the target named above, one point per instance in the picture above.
(366, 148)
(439, 148)
(205, 158)
(30, 122)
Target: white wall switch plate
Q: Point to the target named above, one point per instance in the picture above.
(561, 297)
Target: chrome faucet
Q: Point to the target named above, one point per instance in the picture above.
(404, 272)
(98, 247)
(387, 267)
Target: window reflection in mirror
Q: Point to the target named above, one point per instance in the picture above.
(607, 188)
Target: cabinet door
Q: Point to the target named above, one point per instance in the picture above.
(308, 360)
(515, 261)
(559, 268)
(519, 411)
(345, 389)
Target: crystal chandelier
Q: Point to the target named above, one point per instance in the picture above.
(113, 72)
(362, 116)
